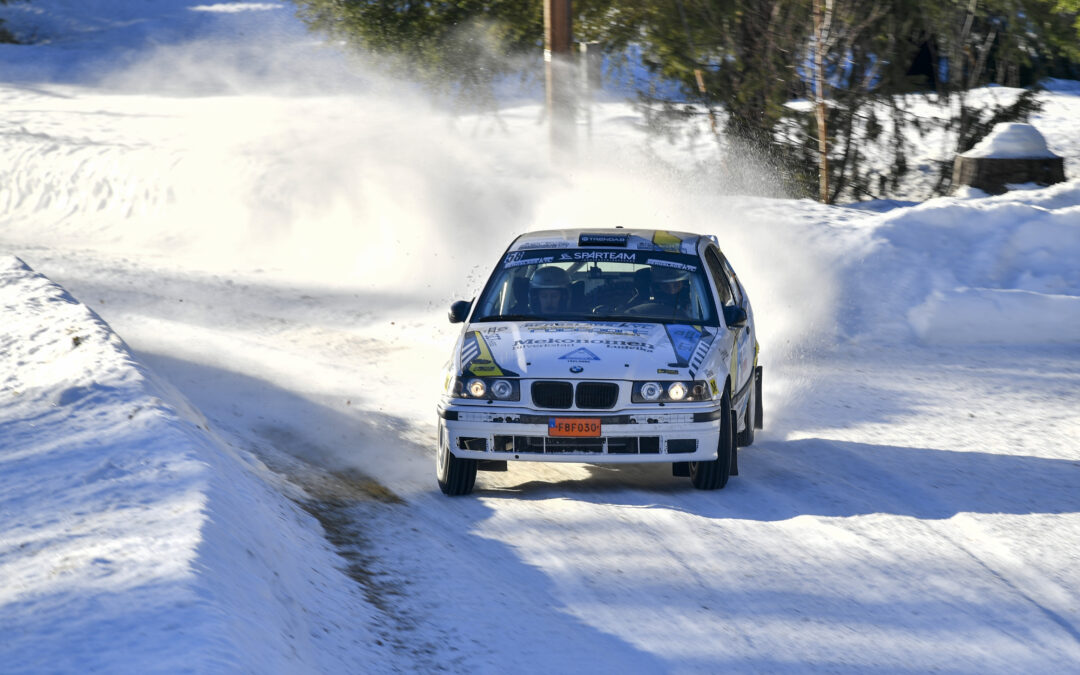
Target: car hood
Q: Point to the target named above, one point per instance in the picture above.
(590, 350)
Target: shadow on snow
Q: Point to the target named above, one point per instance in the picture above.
(783, 479)
(416, 560)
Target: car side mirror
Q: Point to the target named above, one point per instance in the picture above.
(459, 311)
(734, 316)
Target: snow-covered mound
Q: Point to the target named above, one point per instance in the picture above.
(132, 540)
(1012, 141)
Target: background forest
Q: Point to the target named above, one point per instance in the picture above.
(746, 65)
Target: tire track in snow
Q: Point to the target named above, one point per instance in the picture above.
(1048, 597)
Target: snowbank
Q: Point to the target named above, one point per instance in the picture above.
(131, 539)
(991, 270)
(982, 315)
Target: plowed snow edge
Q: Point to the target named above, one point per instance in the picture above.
(153, 546)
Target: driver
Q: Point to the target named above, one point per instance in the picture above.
(549, 290)
(668, 286)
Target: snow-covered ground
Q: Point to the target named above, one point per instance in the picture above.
(245, 481)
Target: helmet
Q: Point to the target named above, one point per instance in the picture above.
(549, 279)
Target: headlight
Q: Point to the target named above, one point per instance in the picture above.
(650, 391)
(477, 388)
(502, 389)
(673, 392)
(486, 388)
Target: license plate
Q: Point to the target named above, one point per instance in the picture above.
(573, 426)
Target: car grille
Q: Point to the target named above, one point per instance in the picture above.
(557, 395)
(561, 395)
(599, 395)
(540, 445)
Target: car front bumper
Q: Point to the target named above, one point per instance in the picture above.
(658, 435)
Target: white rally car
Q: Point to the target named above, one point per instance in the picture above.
(603, 347)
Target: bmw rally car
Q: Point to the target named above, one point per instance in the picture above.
(603, 346)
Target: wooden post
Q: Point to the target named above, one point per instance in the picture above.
(559, 74)
(819, 95)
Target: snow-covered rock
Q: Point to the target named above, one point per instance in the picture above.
(1012, 141)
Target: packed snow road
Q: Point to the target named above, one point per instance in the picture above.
(906, 508)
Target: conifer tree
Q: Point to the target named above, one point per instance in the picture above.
(742, 63)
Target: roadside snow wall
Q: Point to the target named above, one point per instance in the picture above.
(998, 270)
(131, 540)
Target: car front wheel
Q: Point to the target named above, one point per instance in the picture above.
(456, 475)
(713, 475)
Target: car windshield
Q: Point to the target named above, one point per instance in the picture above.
(601, 284)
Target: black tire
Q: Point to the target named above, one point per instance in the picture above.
(456, 475)
(713, 475)
(746, 436)
(735, 447)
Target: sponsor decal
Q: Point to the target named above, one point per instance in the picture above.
(525, 256)
(666, 241)
(619, 329)
(670, 263)
(540, 343)
(605, 256)
(545, 243)
(580, 354)
(470, 349)
(603, 239)
(518, 259)
(666, 371)
(684, 340)
(476, 358)
(734, 372)
(712, 385)
(698, 358)
(494, 334)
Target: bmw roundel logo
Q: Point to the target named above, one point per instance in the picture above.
(576, 369)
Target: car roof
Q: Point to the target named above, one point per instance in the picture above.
(648, 240)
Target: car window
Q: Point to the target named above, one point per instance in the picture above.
(598, 284)
(720, 276)
(733, 281)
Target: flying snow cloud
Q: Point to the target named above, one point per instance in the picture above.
(291, 156)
